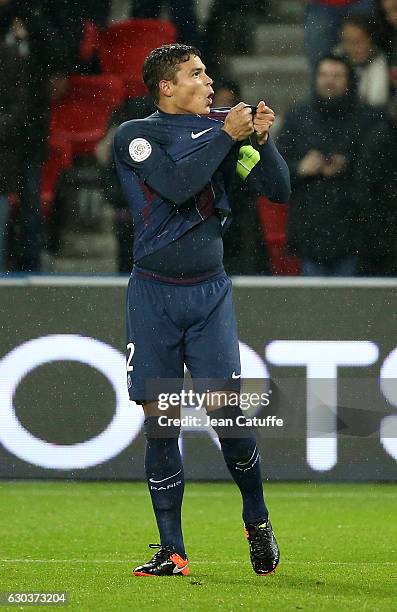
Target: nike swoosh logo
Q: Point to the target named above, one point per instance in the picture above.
(163, 479)
(234, 375)
(194, 136)
(178, 570)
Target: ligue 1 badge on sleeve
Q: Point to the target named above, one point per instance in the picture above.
(139, 149)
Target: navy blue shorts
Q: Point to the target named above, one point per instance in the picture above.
(169, 325)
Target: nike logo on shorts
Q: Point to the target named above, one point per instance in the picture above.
(194, 136)
(234, 375)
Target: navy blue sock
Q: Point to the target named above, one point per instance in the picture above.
(164, 473)
(243, 461)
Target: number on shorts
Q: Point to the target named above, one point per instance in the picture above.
(131, 348)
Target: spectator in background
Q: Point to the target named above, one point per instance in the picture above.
(13, 89)
(376, 187)
(320, 142)
(134, 108)
(227, 93)
(386, 23)
(48, 60)
(63, 23)
(323, 21)
(370, 64)
(244, 246)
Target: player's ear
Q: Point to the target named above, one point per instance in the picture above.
(165, 88)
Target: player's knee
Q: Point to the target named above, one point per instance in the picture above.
(154, 428)
(229, 422)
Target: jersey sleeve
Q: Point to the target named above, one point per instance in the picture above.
(270, 176)
(143, 151)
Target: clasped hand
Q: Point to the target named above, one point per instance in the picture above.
(240, 124)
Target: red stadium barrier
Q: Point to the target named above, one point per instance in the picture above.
(122, 48)
(273, 218)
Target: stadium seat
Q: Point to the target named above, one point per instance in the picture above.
(273, 219)
(122, 48)
(81, 116)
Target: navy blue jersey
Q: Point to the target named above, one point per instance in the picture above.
(175, 171)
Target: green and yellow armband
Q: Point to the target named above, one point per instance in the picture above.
(248, 157)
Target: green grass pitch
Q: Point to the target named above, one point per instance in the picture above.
(338, 545)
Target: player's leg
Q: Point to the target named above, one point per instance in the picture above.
(213, 358)
(155, 353)
(241, 455)
(242, 458)
(212, 354)
(164, 473)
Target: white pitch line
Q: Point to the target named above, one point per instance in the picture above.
(229, 561)
(273, 494)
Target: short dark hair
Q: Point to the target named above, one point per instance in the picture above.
(162, 63)
(363, 22)
(341, 59)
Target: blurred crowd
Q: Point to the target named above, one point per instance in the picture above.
(340, 142)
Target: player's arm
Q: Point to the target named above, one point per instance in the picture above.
(178, 182)
(269, 175)
(260, 163)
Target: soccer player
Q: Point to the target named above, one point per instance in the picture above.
(175, 167)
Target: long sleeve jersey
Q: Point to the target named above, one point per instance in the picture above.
(175, 171)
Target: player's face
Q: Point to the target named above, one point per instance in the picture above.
(331, 79)
(191, 90)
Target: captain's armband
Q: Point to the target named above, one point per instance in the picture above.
(248, 157)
